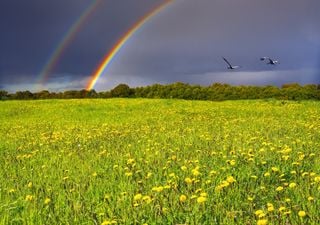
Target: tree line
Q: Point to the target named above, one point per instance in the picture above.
(214, 92)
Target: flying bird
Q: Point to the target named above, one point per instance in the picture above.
(271, 61)
(230, 67)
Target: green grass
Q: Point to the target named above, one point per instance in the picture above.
(128, 161)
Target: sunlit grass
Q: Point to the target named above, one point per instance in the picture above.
(137, 161)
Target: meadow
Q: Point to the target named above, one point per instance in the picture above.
(140, 161)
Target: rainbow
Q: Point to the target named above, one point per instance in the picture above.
(119, 44)
(65, 41)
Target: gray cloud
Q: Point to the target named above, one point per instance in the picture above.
(192, 36)
(184, 42)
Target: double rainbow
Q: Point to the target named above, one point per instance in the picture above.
(65, 41)
(116, 48)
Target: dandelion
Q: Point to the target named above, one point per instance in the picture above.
(317, 179)
(267, 174)
(29, 198)
(147, 199)
(258, 212)
(270, 207)
(184, 168)
(195, 172)
(108, 222)
(203, 194)
(47, 201)
(302, 213)
(182, 198)
(280, 188)
(310, 198)
(137, 197)
(201, 199)
(130, 161)
(232, 162)
(128, 174)
(275, 169)
(11, 191)
(262, 222)
(29, 184)
(231, 180)
(188, 180)
(157, 189)
(292, 185)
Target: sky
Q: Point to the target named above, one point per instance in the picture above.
(184, 42)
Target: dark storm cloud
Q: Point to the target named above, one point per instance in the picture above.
(31, 30)
(202, 32)
(185, 42)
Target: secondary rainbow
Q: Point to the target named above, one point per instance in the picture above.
(65, 41)
(116, 48)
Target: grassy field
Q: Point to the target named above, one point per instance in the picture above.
(135, 161)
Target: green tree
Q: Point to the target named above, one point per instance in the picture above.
(121, 91)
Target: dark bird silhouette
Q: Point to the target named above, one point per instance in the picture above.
(270, 61)
(230, 67)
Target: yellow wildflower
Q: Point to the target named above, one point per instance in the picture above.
(137, 197)
(188, 180)
(280, 188)
(201, 199)
(183, 198)
(302, 213)
(310, 198)
(157, 189)
(184, 168)
(147, 199)
(29, 198)
(108, 222)
(262, 222)
(292, 185)
(231, 180)
(47, 201)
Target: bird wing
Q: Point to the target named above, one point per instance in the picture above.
(270, 60)
(226, 61)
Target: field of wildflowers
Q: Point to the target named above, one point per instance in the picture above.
(138, 161)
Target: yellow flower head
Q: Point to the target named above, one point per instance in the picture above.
(157, 189)
(258, 212)
(137, 197)
(184, 168)
(29, 198)
(280, 188)
(147, 199)
(201, 199)
(188, 180)
(230, 179)
(47, 201)
(262, 222)
(302, 213)
(292, 185)
(183, 198)
(30, 184)
(310, 198)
